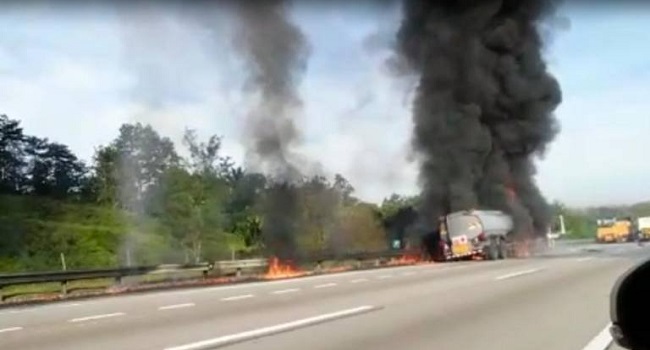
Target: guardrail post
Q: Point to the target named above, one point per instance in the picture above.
(64, 289)
(319, 266)
(205, 274)
(2, 295)
(358, 264)
(118, 280)
(377, 262)
(238, 272)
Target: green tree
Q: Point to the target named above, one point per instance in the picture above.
(361, 229)
(11, 155)
(193, 209)
(143, 158)
(103, 185)
(52, 170)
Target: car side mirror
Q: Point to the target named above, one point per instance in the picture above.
(630, 308)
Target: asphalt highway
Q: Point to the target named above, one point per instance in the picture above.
(556, 301)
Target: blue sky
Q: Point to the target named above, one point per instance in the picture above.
(76, 75)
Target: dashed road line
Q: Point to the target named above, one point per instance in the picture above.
(10, 329)
(176, 306)
(275, 329)
(383, 277)
(411, 273)
(285, 291)
(584, 259)
(326, 285)
(237, 297)
(97, 317)
(517, 274)
(359, 280)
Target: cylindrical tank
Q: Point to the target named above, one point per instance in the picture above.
(473, 223)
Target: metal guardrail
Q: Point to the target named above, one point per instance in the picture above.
(64, 277)
(237, 267)
(74, 275)
(217, 269)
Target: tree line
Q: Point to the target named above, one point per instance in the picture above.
(581, 222)
(139, 202)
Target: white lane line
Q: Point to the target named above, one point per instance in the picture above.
(275, 329)
(600, 341)
(584, 259)
(285, 291)
(326, 285)
(359, 280)
(176, 306)
(96, 317)
(424, 268)
(383, 277)
(237, 297)
(17, 311)
(408, 273)
(10, 329)
(517, 274)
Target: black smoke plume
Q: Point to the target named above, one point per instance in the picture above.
(276, 54)
(484, 105)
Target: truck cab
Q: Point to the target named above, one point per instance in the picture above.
(614, 230)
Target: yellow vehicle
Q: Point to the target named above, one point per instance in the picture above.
(614, 230)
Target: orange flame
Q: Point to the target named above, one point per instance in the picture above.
(278, 269)
(406, 259)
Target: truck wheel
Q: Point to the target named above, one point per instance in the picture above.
(503, 250)
(492, 250)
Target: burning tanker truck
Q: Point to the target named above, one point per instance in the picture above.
(470, 234)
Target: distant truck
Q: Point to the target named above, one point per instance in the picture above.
(643, 225)
(472, 233)
(615, 230)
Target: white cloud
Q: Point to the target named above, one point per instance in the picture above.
(76, 79)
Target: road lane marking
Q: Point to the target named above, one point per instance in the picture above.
(10, 329)
(96, 317)
(600, 341)
(517, 274)
(359, 280)
(585, 259)
(176, 306)
(426, 268)
(326, 285)
(270, 330)
(237, 297)
(383, 277)
(408, 273)
(285, 291)
(17, 311)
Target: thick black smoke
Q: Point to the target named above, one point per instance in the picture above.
(276, 53)
(484, 104)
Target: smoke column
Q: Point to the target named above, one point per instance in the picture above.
(276, 52)
(483, 107)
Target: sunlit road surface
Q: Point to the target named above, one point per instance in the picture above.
(559, 301)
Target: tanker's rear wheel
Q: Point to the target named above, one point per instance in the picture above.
(492, 249)
(503, 249)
